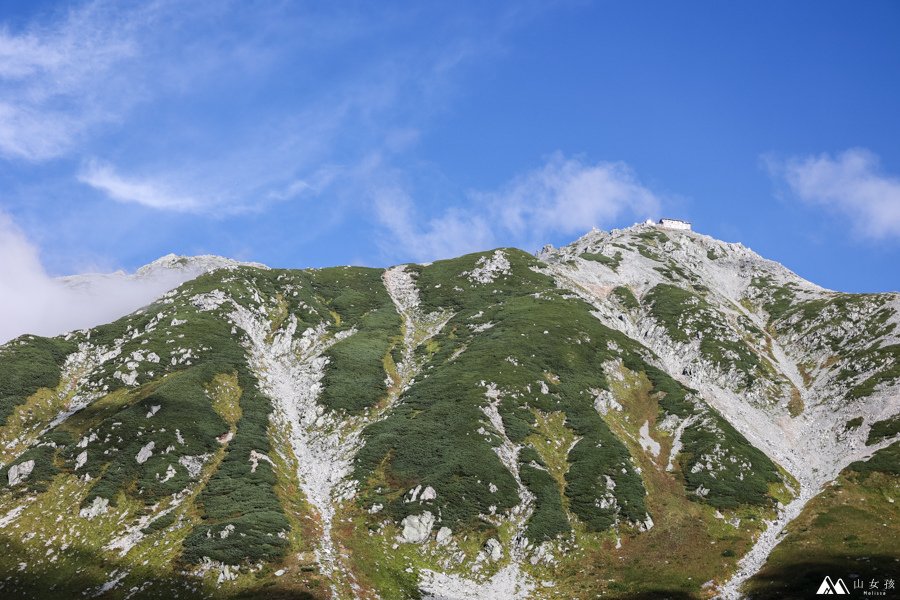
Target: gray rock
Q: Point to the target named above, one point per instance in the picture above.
(80, 460)
(20, 472)
(416, 528)
(145, 453)
(443, 535)
(97, 507)
(493, 549)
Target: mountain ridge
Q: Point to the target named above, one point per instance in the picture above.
(418, 430)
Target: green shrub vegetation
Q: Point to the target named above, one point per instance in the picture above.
(886, 460)
(853, 423)
(741, 473)
(612, 262)
(646, 252)
(534, 338)
(776, 300)
(355, 375)
(625, 297)
(43, 471)
(730, 483)
(859, 346)
(184, 410)
(653, 235)
(886, 357)
(548, 520)
(883, 429)
(851, 526)
(516, 344)
(431, 437)
(172, 409)
(673, 272)
(686, 316)
(160, 523)
(29, 363)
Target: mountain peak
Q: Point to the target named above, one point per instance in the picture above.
(200, 263)
(649, 253)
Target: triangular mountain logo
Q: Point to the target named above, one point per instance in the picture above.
(832, 587)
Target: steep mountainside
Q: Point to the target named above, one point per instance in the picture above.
(638, 414)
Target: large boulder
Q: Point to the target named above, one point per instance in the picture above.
(20, 472)
(416, 528)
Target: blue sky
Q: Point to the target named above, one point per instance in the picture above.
(376, 133)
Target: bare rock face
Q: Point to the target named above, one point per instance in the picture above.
(493, 549)
(81, 459)
(417, 528)
(443, 535)
(97, 507)
(145, 453)
(428, 494)
(20, 472)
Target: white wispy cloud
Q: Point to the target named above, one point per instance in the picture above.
(565, 196)
(410, 236)
(145, 192)
(82, 69)
(99, 68)
(82, 82)
(850, 185)
(58, 81)
(568, 195)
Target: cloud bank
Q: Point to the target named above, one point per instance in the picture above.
(566, 196)
(33, 302)
(850, 185)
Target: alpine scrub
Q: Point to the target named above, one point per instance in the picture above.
(630, 414)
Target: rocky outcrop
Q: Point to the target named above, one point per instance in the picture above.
(20, 472)
(416, 528)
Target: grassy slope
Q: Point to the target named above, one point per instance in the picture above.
(536, 338)
(824, 322)
(544, 351)
(227, 492)
(850, 530)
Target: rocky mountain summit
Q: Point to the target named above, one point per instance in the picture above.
(164, 273)
(646, 412)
